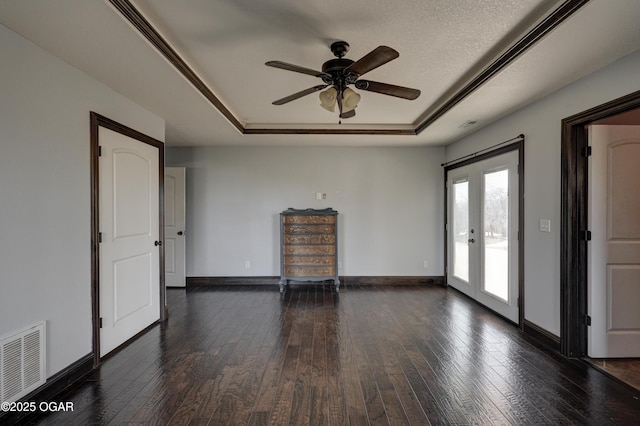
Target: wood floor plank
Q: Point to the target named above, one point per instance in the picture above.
(318, 392)
(384, 354)
(407, 398)
(336, 401)
(300, 401)
(354, 400)
(282, 402)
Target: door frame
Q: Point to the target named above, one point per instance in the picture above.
(573, 221)
(516, 146)
(98, 121)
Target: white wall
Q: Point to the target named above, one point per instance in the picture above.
(389, 200)
(45, 193)
(541, 125)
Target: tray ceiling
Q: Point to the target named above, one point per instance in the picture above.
(200, 64)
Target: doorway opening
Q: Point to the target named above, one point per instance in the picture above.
(127, 256)
(575, 221)
(484, 238)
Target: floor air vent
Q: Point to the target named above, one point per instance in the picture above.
(22, 367)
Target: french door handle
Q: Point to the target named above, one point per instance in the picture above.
(158, 243)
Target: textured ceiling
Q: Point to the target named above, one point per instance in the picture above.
(438, 43)
(443, 45)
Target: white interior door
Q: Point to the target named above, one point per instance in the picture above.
(482, 230)
(129, 227)
(174, 220)
(614, 250)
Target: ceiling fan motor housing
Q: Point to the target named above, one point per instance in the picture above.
(339, 48)
(335, 68)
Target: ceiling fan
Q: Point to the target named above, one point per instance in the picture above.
(338, 74)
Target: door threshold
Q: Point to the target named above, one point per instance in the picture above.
(624, 370)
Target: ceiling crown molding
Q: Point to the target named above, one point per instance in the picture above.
(140, 23)
(129, 12)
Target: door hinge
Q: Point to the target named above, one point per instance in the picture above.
(99, 237)
(99, 151)
(100, 322)
(586, 235)
(587, 320)
(587, 151)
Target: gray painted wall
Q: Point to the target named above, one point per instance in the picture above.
(541, 125)
(389, 200)
(45, 253)
(238, 191)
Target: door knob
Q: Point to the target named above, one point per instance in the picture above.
(158, 243)
(180, 232)
(471, 240)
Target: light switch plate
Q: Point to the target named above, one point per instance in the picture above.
(545, 225)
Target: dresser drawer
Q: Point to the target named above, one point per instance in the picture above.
(309, 239)
(310, 219)
(303, 228)
(306, 250)
(309, 271)
(310, 260)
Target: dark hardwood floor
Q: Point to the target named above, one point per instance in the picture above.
(420, 355)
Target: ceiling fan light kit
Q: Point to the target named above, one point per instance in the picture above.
(350, 100)
(337, 74)
(328, 99)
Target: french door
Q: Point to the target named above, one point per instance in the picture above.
(482, 232)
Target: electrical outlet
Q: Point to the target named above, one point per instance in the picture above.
(426, 264)
(247, 264)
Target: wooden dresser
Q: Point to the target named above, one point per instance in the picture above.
(309, 246)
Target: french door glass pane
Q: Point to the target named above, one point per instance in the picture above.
(496, 229)
(461, 230)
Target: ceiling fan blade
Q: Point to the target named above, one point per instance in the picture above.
(299, 94)
(372, 60)
(296, 68)
(348, 114)
(388, 89)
